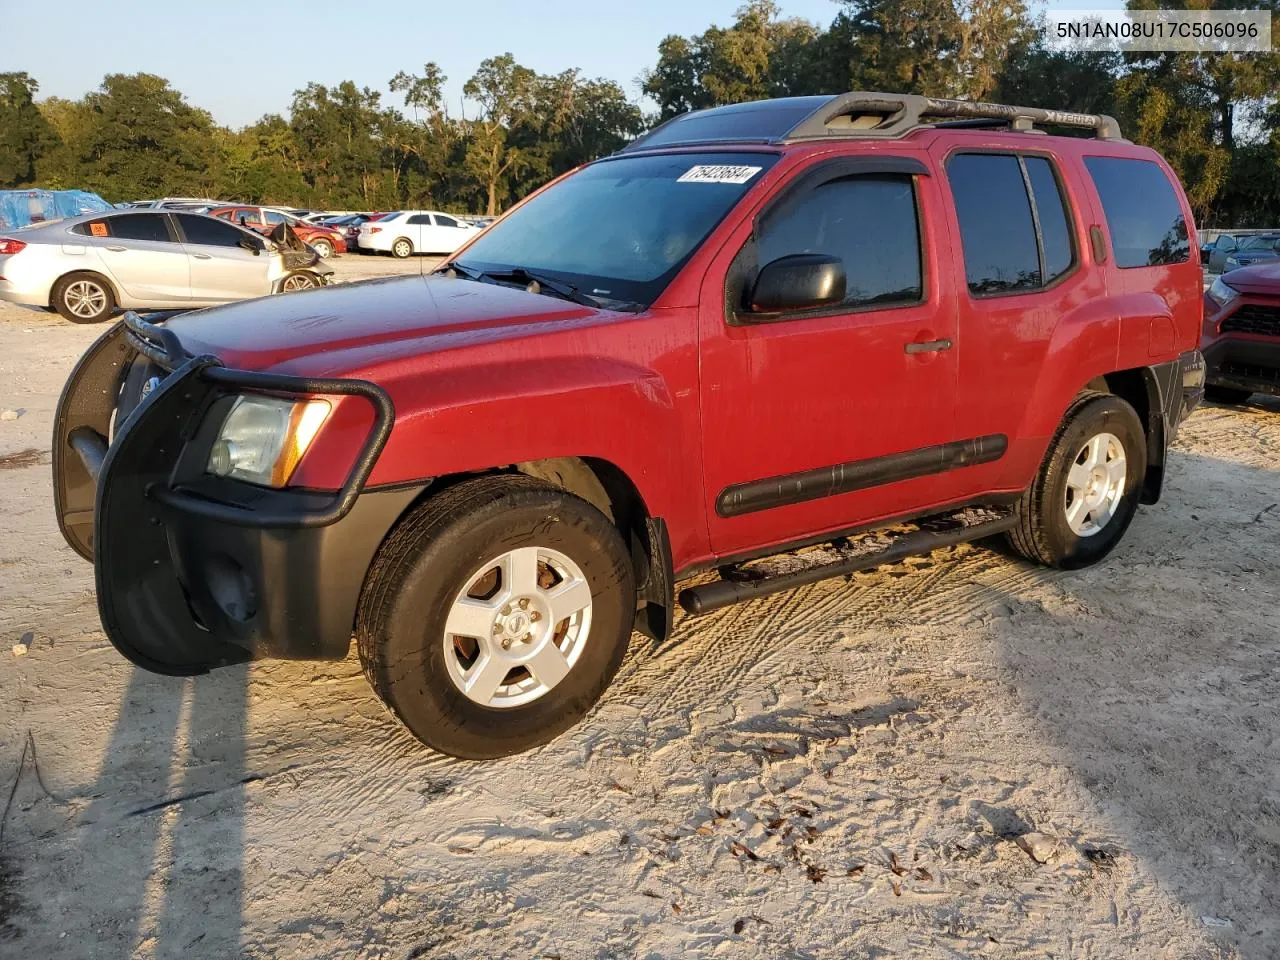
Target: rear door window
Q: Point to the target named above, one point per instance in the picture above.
(1015, 226)
(131, 226)
(1143, 214)
(420, 220)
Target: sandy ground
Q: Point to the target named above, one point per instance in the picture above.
(839, 772)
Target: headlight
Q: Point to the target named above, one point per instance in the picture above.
(1222, 293)
(263, 438)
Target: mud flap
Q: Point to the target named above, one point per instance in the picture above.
(88, 402)
(144, 608)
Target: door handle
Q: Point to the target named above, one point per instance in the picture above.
(202, 256)
(928, 346)
(117, 249)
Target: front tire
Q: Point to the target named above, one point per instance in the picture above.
(1086, 493)
(83, 298)
(302, 280)
(324, 248)
(495, 615)
(1228, 395)
(402, 249)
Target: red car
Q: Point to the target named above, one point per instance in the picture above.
(841, 329)
(326, 241)
(1241, 337)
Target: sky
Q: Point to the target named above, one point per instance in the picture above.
(240, 59)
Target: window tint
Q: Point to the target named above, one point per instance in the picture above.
(1051, 208)
(443, 221)
(869, 222)
(996, 229)
(139, 226)
(209, 232)
(420, 219)
(1143, 215)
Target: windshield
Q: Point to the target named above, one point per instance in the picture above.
(620, 229)
(1261, 243)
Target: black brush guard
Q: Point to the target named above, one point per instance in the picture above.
(131, 437)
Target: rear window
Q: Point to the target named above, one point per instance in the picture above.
(131, 226)
(1143, 214)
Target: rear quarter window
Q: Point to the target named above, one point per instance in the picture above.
(1143, 214)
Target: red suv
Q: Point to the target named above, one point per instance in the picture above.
(326, 241)
(841, 329)
(1241, 337)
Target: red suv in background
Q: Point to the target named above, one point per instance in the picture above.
(1241, 336)
(841, 328)
(326, 241)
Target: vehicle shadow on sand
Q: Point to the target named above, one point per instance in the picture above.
(139, 865)
(1158, 691)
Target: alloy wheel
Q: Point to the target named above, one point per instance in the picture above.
(517, 627)
(85, 298)
(1095, 484)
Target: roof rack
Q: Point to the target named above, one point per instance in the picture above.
(903, 113)
(878, 116)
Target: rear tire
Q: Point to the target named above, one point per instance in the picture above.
(1086, 493)
(83, 298)
(1230, 395)
(402, 249)
(458, 556)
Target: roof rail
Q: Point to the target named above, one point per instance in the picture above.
(845, 115)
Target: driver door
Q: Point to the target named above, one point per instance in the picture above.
(821, 420)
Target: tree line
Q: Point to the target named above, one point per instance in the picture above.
(1215, 117)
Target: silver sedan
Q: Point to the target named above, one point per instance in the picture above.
(88, 267)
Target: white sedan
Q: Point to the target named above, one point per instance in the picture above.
(407, 232)
(87, 267)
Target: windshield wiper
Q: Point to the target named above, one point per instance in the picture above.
(537, 282)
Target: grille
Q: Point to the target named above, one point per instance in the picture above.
(1252, 318)
(1251, 371)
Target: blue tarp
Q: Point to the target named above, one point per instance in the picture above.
(20, 208)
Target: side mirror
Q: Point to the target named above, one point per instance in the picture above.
(251, 245)
(801, 281)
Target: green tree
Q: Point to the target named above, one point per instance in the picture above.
(503, 92)
(141, 138)
(758, 56)
(25, 134)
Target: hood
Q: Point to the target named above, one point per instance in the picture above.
(403, 315)
(1263, 278)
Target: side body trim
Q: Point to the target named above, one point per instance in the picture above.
(754, 495)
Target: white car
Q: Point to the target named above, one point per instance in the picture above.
(87, 267)
(407, 232)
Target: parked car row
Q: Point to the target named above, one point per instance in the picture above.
(326, 241)
(89, 266)
(403, 233)
(1231, 252)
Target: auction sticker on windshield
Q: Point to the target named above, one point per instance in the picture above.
(717, 173)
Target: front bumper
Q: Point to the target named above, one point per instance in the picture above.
(1244, 364)
(194, 571)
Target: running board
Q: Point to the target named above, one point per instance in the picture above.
(843, 556)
